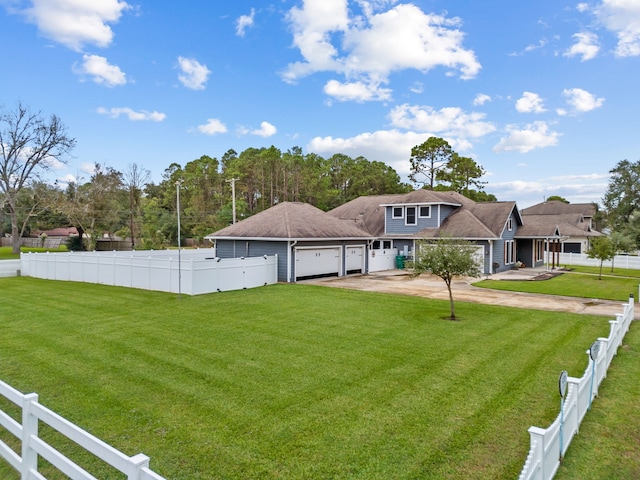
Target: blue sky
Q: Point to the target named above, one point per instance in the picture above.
(542, 94)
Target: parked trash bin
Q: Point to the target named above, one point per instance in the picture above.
(399, 262)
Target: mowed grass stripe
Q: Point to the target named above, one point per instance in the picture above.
(293, 381)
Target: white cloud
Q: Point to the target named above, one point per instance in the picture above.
(194, 74)
(357, 91)
(142, 115)
(266, 130)
(530, 103)
(622, 17)
(575, 188)
(75, 23)
(101, 70)
(581, 100)
(389, 146)
(367, 49)
(535, 135)
(586, 46)
(212, 127)
(245, 21)
(582, 7)
(448, 121)
(481, 99)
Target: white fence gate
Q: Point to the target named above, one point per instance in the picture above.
(549, 445)
(135, 468)
(191, 272)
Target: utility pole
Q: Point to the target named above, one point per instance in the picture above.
(178, 184)
(233, 196)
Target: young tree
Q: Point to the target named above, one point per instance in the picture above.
(601, 248)
(29, 145)
(447, 258)
(428, 159)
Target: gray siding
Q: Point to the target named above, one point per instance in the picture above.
(255, 248)
(398, 225)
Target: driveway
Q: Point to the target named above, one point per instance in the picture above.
(428, 286)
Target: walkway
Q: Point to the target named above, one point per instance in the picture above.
(400, 282)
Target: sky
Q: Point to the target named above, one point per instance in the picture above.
(542, 94)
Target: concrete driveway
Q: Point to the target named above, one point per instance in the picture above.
(400, 282)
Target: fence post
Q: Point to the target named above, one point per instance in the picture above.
(29, 429)
(138, 462)
(537, 438)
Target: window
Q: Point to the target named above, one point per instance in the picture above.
(411, 216)
(386, 244)
(509, 252)
(376, 245)
(397, 212)
(424, 212)
(510, 224)
(539, 250)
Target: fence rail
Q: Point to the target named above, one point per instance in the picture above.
(549, 445)
(620, 261)
(191, 272)
(32, 446)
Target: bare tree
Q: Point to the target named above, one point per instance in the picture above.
(29, 145)
(136, 177)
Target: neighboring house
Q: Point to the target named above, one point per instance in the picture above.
(572, 223)
(366, 234)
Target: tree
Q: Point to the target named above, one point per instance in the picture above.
(447, 258)
(97, 206)
(136, 178)
(428, 159)
(461, 173)
(602, 249)
(620, 243)
(622, 198)
(29, 145)
(557, 198)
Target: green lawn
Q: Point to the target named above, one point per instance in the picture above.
(7, 254)
(572, 285)
(608, 445)
(292, 381)
(606, 270)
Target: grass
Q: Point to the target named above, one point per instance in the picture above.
(291, 381)
(606, 270)
(608, 445)
(572, 285)
(6, 253)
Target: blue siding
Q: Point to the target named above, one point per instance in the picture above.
(398, 225)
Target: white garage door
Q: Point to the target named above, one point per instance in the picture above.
(355, 259)
(317, 261)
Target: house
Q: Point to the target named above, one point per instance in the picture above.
(572, 223)
(367, 233)
(308, 242)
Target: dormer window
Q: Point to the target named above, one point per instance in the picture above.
(398, 212)
(411, 216)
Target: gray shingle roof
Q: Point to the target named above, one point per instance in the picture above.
(291, 221)
(556, 207)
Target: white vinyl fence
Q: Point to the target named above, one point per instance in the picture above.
(549, 445)
(32, 446)
(191, 272)
(9, 268)
(619, 261)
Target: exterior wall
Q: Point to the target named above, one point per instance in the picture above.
(487, 256)
(398, 225)
(400, 245)
(250, 248)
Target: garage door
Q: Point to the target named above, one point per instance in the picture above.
(355, 259)
(317, 261)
